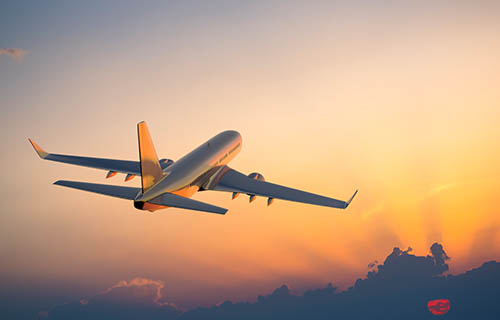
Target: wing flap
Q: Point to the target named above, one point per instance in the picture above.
(173, 200)
(234, 181)
(128, 193)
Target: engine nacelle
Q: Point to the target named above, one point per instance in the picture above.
(111, 174)
(256, 176)
(165, 163)
(129, 177)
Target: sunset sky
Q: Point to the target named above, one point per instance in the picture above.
(400, 101)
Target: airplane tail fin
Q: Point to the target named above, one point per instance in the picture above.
(151, 171)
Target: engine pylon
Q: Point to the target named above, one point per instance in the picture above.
(129, 177)
(110, 174)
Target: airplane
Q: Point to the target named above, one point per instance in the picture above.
(166, 183)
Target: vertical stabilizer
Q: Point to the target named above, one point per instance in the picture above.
(151, 171)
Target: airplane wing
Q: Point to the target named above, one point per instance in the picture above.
(123, 166)
(234, 181)
(130, 193)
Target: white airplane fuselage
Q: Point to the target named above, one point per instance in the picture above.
(190, 173)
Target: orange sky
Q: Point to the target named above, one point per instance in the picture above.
(402, 104)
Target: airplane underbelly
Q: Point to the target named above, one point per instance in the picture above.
(187, 191)
(151, 207)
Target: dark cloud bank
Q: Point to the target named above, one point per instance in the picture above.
(397, 289)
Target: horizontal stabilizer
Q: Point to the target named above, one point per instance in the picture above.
(128, 193)
(173, 200)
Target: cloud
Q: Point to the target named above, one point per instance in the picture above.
(321, 292)
(399, 288)
(138, 298)
(439, 255)
(372, 264)
(155, 285)
(15, 53)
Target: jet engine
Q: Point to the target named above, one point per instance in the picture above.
(165, 163)
(256, 176)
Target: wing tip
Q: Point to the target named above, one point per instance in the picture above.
(350, 199)
(41, 153)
